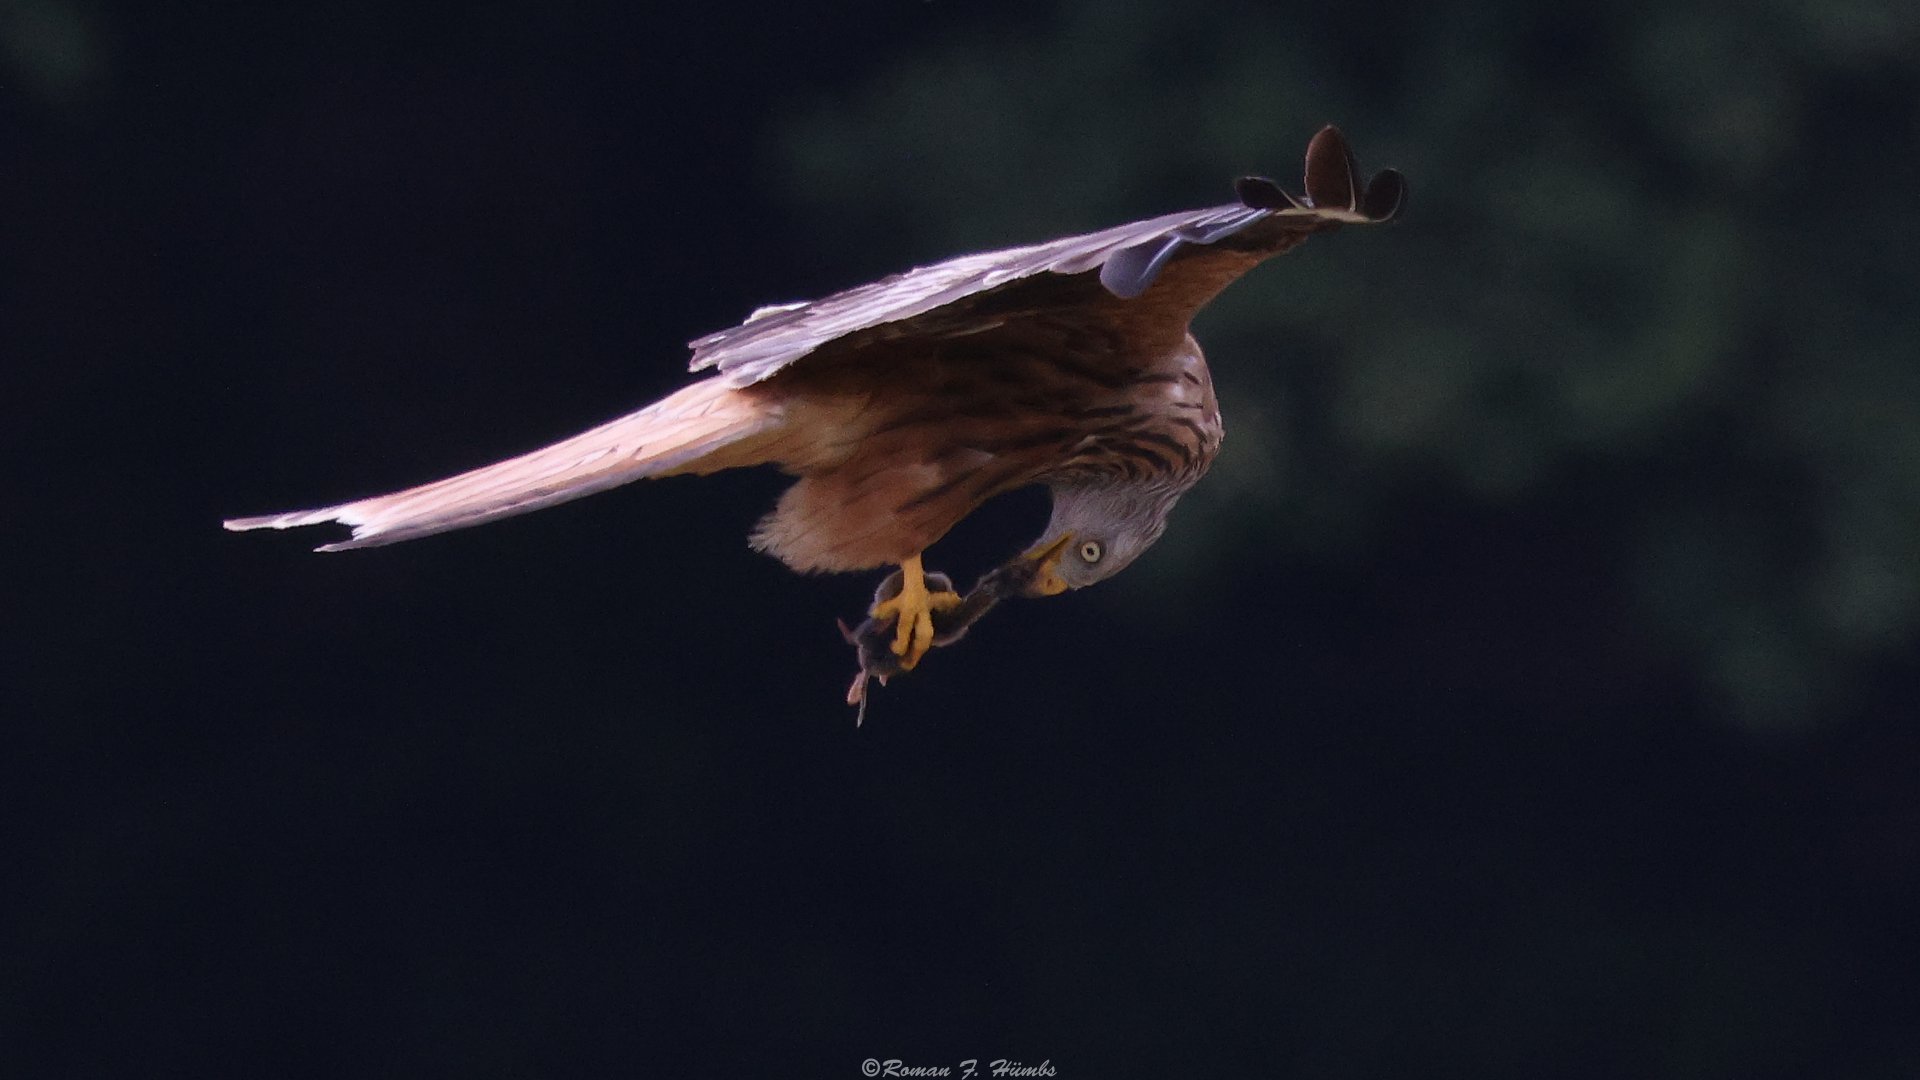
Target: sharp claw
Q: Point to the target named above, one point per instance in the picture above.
(907, 628)
(913, 640)
(911, 607)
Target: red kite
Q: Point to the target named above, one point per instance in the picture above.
(903, 405)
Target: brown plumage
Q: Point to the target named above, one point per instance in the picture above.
(903, 405)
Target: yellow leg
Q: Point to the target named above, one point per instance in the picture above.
(913, 609)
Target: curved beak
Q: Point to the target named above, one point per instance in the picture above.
(1044, 560)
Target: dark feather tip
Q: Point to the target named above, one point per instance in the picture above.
(1260, 193)
(1333, 181)
(1385, 197)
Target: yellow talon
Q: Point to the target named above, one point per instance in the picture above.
(912, 608)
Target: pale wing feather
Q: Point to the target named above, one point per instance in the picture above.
(1128, 258)
(775, 337)
(692, 430)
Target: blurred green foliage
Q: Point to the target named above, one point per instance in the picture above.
(51, 50)
(1660, 245)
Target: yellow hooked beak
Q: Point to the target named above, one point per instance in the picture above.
(1046, 573)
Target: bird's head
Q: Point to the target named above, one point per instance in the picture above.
(1097, 530)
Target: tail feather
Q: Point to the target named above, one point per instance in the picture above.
(703, 428)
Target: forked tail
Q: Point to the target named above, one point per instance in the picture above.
(702, 428)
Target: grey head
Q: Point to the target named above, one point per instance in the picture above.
(1098, 528)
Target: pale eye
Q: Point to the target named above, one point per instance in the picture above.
(1091, 551)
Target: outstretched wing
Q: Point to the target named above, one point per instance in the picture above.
(712, 425)
(700, 428)
(1128, 258)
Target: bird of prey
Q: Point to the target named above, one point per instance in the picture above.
(903, 405)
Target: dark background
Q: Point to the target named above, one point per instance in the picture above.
(1529, 692)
